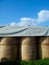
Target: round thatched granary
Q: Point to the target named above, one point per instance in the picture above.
(44, 47)
(8, 49)
(28, 48)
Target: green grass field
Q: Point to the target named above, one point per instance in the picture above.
(36, 62)
(33, 62)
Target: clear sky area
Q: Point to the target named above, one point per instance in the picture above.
(24, 12)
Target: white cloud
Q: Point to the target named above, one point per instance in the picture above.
(26, 21)
(43, 16)
(13, 23)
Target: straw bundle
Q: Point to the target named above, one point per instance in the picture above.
(44, 47)
(28, 48)
(8, 49)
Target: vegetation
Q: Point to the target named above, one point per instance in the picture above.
(34, 62)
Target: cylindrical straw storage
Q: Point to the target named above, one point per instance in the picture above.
(44, 47)
(28, 48)
(8, 49)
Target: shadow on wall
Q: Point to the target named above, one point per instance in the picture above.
(0, 38)
(19, 49)
(5, 60)
(38, 48)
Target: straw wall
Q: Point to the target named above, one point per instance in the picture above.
(28, 48)
(8, 49)
(44, 47)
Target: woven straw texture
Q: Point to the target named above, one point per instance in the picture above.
(44, 47)
(28, 48)
(8, 48)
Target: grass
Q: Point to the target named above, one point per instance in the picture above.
(36, 62)
(33, 62)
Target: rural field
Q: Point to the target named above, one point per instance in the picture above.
(33, 62)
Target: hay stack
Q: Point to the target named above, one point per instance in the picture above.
(44, 47)
(8, 49)
(28, 48)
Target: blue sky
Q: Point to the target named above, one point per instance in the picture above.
(24, 12)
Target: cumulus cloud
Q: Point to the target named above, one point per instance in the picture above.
(13, 23)
(26, 21)
(43, 16)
